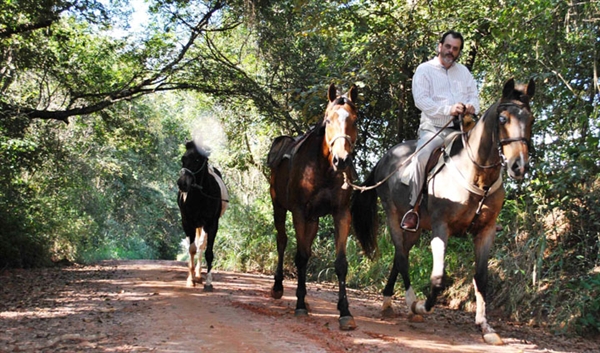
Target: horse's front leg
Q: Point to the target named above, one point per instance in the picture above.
(438, 250)
(342, 228)
(483, 243)
(279, 215)
(192, 253)
(305, 234)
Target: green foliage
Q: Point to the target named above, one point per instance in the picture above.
(103, 186)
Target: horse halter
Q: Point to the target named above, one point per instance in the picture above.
(338, 136)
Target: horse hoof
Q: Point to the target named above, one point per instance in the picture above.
(276, 294)
(493, 339)
(208, 288)
(347, 323)
(301, 312)
(418, 308)
(190, 284)
(388, 312)
(415, 318)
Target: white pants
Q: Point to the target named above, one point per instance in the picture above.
(419, 161)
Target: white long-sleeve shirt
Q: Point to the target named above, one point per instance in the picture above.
(436, 89)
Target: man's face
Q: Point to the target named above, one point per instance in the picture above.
(449, 51)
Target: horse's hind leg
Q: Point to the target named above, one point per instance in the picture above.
(483, 243)
(211, 234)
(279, 215)
(403, 242)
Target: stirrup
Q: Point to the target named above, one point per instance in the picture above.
(414, 229)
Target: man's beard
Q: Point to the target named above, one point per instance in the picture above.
(448, 58)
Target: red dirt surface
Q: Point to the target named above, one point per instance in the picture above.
(144, 306)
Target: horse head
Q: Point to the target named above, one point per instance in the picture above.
(514, 127)
(193, 166)
(340, 127)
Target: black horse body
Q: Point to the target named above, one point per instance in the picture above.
(202, 199)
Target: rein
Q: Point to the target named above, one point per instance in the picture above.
(366, 188)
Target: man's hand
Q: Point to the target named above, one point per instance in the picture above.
(460, 109)
(469, 109)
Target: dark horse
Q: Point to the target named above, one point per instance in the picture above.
(306, 179)
(202, 199)
(464, 195)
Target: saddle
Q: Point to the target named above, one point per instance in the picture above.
(284, 147)
(436, 161)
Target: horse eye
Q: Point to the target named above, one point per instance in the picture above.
(503, 119)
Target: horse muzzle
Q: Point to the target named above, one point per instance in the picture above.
(184, 183)
(341, 163)
(517, 167)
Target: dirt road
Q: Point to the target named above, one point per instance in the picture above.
(144, 306)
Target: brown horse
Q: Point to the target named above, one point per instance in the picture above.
(464, 195)
(306, 179)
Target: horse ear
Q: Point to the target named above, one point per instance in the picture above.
(189, 144)
(332, 92)
(531, 88)
(353, 93)
(509, 87)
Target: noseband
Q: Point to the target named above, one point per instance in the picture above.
(339, 136)
(507, 141)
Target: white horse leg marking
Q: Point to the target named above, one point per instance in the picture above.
(387, 303)
(489, 335)
(201, 246)
(208, 279)
(438, 249)
(411, 300)
(480, 318)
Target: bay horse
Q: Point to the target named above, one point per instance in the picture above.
(202, 200)
(306, 179)
(465, 195)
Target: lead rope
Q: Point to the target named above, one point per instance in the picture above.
(348, 183)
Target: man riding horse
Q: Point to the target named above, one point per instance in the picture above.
(442, 89)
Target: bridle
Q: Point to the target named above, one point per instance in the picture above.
(338, 136)
(501, 142)
(183, 171)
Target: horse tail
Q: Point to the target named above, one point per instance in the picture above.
(364, 217)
